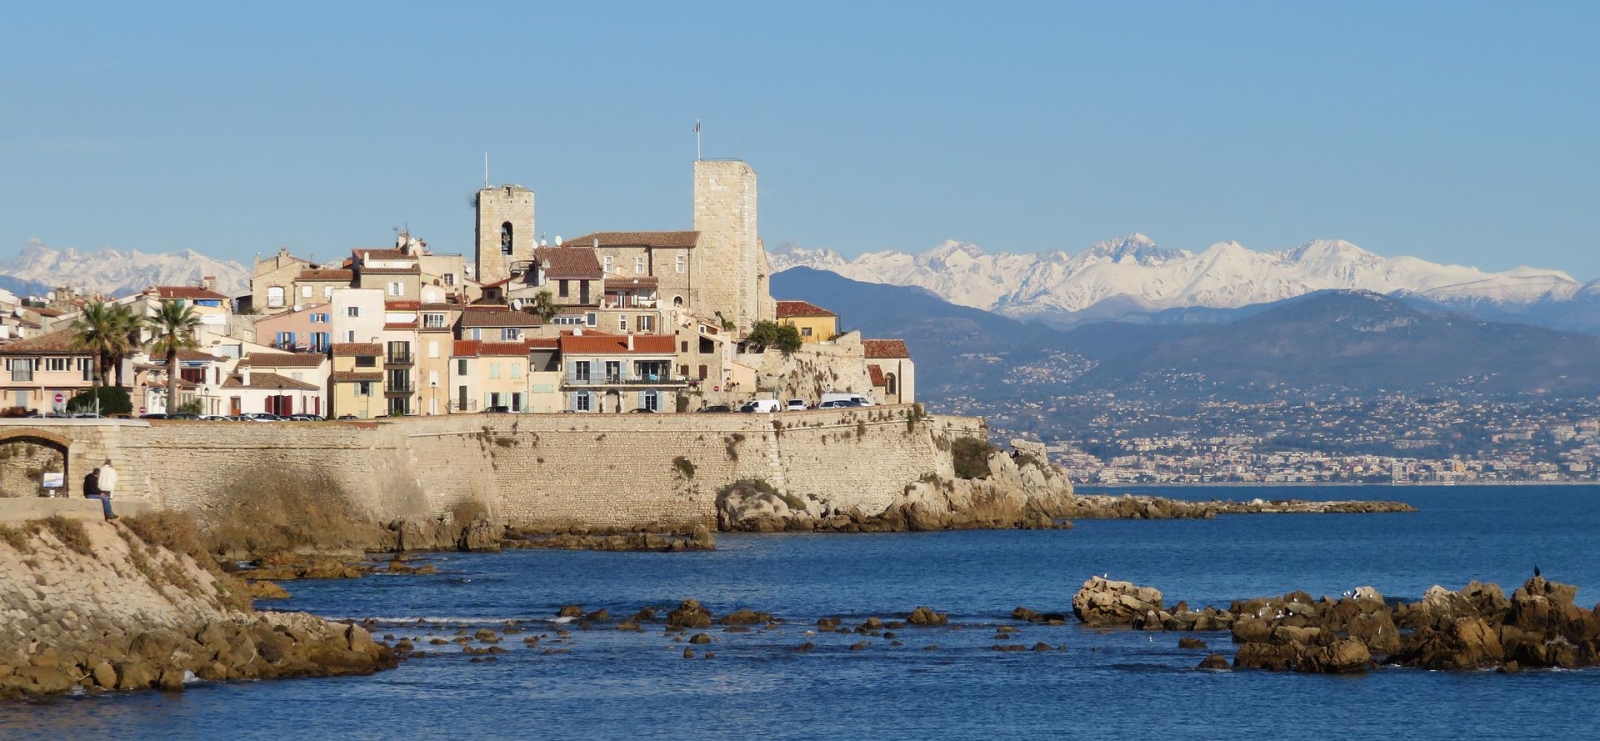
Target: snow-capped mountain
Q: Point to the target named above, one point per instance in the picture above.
(1134, 275)
(119, 272)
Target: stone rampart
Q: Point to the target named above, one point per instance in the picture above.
(549, 470)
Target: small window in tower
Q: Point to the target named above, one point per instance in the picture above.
(505, 238)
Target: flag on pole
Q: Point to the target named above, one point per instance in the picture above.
(697, 126)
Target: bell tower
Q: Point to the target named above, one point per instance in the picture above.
(505, 231)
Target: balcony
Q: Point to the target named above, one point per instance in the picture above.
(405, 388)
(658, 380)
(397, 358)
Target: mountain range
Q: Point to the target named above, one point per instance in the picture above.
(38, 268)
(1134, 279)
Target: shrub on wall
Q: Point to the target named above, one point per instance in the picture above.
(971, 457)
(113, 400)
(684, 466)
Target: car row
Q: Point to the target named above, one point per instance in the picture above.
(253, 417)
(768, 406)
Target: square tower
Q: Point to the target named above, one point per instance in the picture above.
(728, 259)
(505, 231)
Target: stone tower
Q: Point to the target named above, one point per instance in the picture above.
(729, 264)
(505, 231)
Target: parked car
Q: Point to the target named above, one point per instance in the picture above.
(260, 417)
(215, 418)
(642, 410)
(857, 399)
(764, 406)
(306, 418)
(836, 404)
(716, 409)
(344, 417)
(497, 410)
(796, 405)
(183, 415)
(155, 416)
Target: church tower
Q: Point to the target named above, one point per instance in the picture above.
(505, 231)
(729, 264)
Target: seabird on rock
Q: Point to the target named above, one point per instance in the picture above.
(1536, 569)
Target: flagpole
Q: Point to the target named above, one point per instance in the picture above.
(697, 140)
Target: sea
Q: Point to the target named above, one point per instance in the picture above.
(941, 683)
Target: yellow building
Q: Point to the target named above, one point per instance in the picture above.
(356, 381)
(815, 323)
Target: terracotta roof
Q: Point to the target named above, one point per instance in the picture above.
(53, 343)
(637, 239)
(499, 319)
(877, 375)
(569, 262)
(344, 275)
(371, 254)
(283, 360)
(885, 348)
(623, 284)
(196, 355)
(45, 311)
(439, 307)
(542, 343)
(796, 309)
(390, 271)
(168, 293)
(503, 349)
(402, 305)
(351, 349)
(353, 376)
(466, 348)
(644, 344)
(268, 381)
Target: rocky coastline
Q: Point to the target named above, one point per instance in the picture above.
(127, 605)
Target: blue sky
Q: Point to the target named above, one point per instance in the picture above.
(1459, 132)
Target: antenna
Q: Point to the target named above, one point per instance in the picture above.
(485, 170)
(697, 140)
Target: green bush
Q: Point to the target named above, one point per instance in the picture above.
(971, 457)
(685, 466)
(113, 400)
(765, 334)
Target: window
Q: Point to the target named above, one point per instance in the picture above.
(298, 376)
(399, 352)
(275, 297)
(353, 312)
(510, 334)
(638, 265)
(315, 318)
(366, 361)
(683, 370)
(192, 375)
(516, 370)
(677, 264)
(397, 288)
(805, 331)
(363, 388)
(58, 365)
(349, 335)
(683, 346)
(319, 342)
(305, 291)
(561, 288)
(449, 279)
(505, 238)
(494, 370)
(677, 301)
(581, 401)
(285, 340)
(622, 322)
(327, 292)
(567, 319)
(433, 378)
(21, 369)
(607, 267)
(580, 371)
(652, 400)
(647, 323)
(433, 321)
(891, 384)
(591, 318)
(461, 366)
(433, 348)
(703, 374)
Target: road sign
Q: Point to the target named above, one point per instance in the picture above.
(142, 410)
(61, 398)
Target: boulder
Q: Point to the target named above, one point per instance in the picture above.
(1192, 643)
(1214, 662)
(745, 617)
(1102, 602)
(571, 611)
(1466, 643)
(689, 614)
(1277, 657)
(926, 616)
(1345, 656)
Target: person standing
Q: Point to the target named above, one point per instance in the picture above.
(106, 483)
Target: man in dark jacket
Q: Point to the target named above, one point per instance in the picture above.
(91, 490)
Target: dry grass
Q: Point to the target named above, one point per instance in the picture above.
(179, 533)
(17, 539)
(69, 532)
(971, 457)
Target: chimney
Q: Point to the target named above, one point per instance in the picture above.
(577, 331)
(209, 283)
(244, 374)
(630, 342)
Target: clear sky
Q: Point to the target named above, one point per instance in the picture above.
(1454, 131)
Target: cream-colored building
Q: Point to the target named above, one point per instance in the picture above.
(355, 382)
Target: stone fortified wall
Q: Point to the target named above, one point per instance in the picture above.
(548, 470)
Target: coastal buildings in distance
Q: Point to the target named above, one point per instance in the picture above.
(608, 322)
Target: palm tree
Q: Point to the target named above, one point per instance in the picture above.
(130, 327)
(173, 327)
(544, 305)
(103, 330)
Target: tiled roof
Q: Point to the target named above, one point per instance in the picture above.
(569, 262)
(796, 309)
(877, 375)
(466, 348)
(168, 293)
(644, 344)
(542, 343)
(352, 376)
(390, 271)
(472, 319)
(342, 275)
(45, 311)
(351, 349)
(637, 239)
(402, 305)
(400, 325)
(369, 254)
(284, 360)
(268, 381)
(885, 348)
(54, 343)
(503, 349)
(624, 284)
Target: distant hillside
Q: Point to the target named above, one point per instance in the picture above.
(1361, 340)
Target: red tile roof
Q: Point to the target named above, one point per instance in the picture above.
(45, 311)
(885, 348)
(624, 284)
(268, 381)
(402, 305)
(339, 275)
(472, 319)
(569, 262)
(283, 360)
(172, 293)
(877, 375)
(351, 349)
(400, 325)
(466, 348)
(644, 344)
(637, 239)
(542, 343)
(371, 254)
(390, 271)
(58, 342)
(503, 349)
(797, 309)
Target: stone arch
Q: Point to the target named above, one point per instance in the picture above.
(505, 238)
(891, 385)
(677, 302)
(42, 451)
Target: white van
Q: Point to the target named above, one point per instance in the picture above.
(852, 398)
(764, 406)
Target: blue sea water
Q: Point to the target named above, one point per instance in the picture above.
(1103, 684)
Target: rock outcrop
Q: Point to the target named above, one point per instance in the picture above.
(95, 605)
(1102, 602)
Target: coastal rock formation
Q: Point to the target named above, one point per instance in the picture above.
(1102, 602)
(98, 605)
(1133, 507)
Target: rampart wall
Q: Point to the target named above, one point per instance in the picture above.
(594, 470)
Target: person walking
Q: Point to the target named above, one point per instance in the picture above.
(105, 484)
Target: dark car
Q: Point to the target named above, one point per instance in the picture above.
(497, 410)
(343, 417)
(716, 409)
(155, 416)
(642, 410)
(183, 415)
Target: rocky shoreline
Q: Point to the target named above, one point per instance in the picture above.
(1140, 507)
(107, 606)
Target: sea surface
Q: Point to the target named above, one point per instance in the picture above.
(1101, 685)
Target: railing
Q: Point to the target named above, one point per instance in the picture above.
(648, 379)
(398, 359)
(404, 387)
